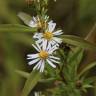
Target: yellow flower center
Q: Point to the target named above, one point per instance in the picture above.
(48, 35)
(42, 24)
(43, 54)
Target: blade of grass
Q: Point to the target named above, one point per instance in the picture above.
(77, 41)
(32, 80)
(16, 28)
(86, 68)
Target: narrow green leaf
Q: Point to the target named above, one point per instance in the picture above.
(77, 41)
(16, 28)
(87, 68)
(74, 60)
(31, 82)
(87, 86)
(24, 17)
(43, 84)
(76, 56)
(22, 73)
(90, 80)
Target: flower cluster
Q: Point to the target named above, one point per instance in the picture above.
(47, 42)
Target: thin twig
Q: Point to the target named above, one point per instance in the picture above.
(92, 30)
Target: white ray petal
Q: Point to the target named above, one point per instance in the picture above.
(59, 32)
(49, 46)
(53, 49)
(44, 44)
(54, 61)
(42, 66)
(32, 56)
(36, 47)
(37, 66)
(35, 35)
(39, 40)
(32, 24)
(50, 22)
(58, 40)
(53, 42)
(38, 35)
(33, 61)
(56, 45)
(50, 63)
(51, 27)
(53, 57)
(34, 18)
(56, 34)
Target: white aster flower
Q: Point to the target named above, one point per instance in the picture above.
(44, 55)
(37, 22)
(49, 35)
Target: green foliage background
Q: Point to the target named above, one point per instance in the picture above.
(73, 16)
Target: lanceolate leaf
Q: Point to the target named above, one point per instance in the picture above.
(43, 84)
(87, 86)
(16, 28)
(77, 41)
(31, 82)
(22, 73)
(76, 56)
(74, 60)
(86, 68)
(90, 80)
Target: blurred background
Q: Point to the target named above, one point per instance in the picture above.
(75, 17)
